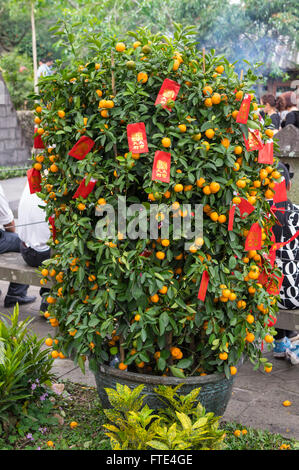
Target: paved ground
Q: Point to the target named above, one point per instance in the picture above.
(257, 397)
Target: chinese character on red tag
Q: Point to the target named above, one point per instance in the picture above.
(137, 138)
(82, 148)
(242, 117)
(34, 180)
(161, 167)
(168, 91)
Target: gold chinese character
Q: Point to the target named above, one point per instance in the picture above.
(161, 165)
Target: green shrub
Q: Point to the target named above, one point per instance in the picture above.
(17, 71)
(24, 367)
(184, 424)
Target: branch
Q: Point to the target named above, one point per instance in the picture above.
(73, 4)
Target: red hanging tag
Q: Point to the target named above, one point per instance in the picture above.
(168, 91)
(280, 192)
(266, 154)
(242, 117)
(37, 140)
(275, 284)
(161, 166)
(254, 141)
(84, 190)
(245, 208)
(254, 238)
(231, 217)
(34, 180)
(137, 138)
(263, 278)
(277, 246)
(52, 223)
(272, 321)
(272, 252)
(203, 286)
(82, 148)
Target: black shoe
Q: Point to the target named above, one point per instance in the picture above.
(292, 335)
(11, 301)
(44, 307)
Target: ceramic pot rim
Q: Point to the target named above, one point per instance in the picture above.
(159, 380)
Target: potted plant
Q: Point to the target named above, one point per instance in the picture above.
(149, 308)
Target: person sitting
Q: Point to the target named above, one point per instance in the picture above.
(34, 234)
(10, 241)
(292, 112)
(269, 103)
(44, 69)
(287, 260)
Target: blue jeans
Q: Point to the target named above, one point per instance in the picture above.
(34, 259)
(9, 241)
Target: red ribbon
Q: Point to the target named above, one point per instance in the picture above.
(203, 286)
(231, 217)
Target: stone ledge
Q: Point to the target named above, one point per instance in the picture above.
(14, 269)
(288, 319)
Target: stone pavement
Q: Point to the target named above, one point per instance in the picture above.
(257, 397)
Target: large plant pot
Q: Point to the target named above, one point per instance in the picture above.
(215, 389)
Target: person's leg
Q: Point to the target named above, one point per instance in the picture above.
(35, 258)
(9, 241)
(280, 334)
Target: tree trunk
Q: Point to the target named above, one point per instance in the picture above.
(34, 55)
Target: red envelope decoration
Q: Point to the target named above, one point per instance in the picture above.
(137, 138)
(34, 180)
(52, 223)
(254, 238)
(161, 166)
(263, 278)
(84, 190)
(254, 141)
(231, 217)
(37, 140)
(266, 154)
(82, 148)
(280, 192)
(245, 208)
(203, 286)
(273, 288)
(242, 117)
(168, 91)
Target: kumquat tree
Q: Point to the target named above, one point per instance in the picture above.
(158, 121)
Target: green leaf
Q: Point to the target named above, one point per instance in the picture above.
(177, 372)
